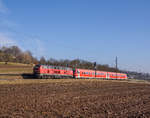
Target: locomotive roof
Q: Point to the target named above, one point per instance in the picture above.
(55, 67)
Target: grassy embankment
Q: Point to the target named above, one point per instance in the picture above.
(10, 70)
(15, 68)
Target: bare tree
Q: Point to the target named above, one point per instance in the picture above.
(42, 60)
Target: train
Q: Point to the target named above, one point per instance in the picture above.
(53, 72)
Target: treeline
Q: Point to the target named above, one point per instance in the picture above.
(15, 54)
(138, 75)
(77, 63)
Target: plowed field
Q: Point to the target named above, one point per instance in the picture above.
(79, 99)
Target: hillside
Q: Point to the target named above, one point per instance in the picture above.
(14, 70)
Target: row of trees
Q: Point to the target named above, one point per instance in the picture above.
(138, 75)
(15, 54)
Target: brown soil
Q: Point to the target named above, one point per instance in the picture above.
(79, 99)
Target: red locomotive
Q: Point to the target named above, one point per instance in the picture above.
(45, 71)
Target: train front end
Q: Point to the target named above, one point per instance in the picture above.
(37, 71)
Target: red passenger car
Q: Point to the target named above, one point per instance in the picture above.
(83, 73)
(89, 74)
(101, 74)
(113, 75)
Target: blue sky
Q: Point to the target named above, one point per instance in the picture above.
(93, 30)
